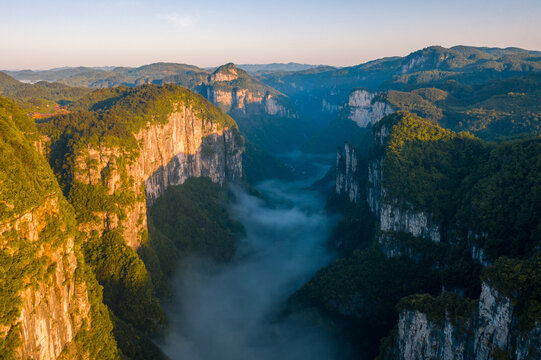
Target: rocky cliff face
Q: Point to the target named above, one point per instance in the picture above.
(52, 311)
(185, 146)
(364, 108)
(420, 338)
(392, 216)
(234, 90)
(49, 305)
(347, 177)
(225, 72)
(490, 333)
(419, 224)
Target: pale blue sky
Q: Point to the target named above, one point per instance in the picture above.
(44, 34)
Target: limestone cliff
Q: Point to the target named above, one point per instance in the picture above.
(365, 109)
(235, 91)
(186, 145)
(50, 306)
(347, 173)
(489, 332)
(419, 338)
(392, 215)
(44, 323)
(54, 304)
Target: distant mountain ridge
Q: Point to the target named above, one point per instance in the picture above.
(318, 91)
(264, 114)
(291, 66)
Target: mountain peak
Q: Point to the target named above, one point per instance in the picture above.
(225, 72)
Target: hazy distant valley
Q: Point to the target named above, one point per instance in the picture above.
(386, 210)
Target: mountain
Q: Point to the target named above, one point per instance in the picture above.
(54, 74)
(435, 190)
(265, 116)
(455, 224)
(496, 109)
(116, 154)
(263, 113)
(325, 89)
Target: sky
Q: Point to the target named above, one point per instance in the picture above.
(41, 34)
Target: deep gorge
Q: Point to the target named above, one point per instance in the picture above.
(234, 310)
(161, 216)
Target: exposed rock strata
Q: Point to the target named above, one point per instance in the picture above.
(185, 146)
(489, 332)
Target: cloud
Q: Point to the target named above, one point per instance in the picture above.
(181, 21)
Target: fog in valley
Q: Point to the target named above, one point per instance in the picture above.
(235, 310)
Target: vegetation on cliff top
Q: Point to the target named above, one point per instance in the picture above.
(446, 306)
(113, 116)
(26, 182)
(496, 109)
(25, 178)
(520, 280)
(464, 183)
(366, 286)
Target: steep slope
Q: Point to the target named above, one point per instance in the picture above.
(265, 117)
(504, 323)
(51, 304)
(353, 122)
(434, 183)
(235, 91)
(447, 206)
(129, 145)
(116, 153)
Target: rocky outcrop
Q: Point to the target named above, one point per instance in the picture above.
(49, 302)
(243, 101)
(491, 332)
(364, 108)
(419, 224)
(273, 106)
(493, 326)
(420, 338)
(225, 72)
(51, 310)
(235, 91)
(187, 145)
(347, 173)
(393, 216)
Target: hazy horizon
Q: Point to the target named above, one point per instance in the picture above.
(110, 67)
(58, 33)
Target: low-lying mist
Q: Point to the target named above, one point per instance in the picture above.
(231, 311)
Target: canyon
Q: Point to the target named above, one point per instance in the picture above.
(131, 225)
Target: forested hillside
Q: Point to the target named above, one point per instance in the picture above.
(483, 201)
